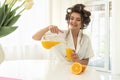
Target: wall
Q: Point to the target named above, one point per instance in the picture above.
(115, 37)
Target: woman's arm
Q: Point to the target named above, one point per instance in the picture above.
(83, 61)
(40, 33)
(75, 58)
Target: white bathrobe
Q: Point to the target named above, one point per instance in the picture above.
(83, 48)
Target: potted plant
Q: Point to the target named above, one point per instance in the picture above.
(10, 12)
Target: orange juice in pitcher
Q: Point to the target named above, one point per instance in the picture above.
(49, 44)
(51, 40)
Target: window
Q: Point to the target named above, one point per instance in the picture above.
(99, 31)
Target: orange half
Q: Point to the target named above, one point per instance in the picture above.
(76, 68)
(83, 68)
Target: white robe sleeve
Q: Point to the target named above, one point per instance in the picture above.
(89, 51)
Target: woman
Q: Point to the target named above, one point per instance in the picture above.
(78, 19)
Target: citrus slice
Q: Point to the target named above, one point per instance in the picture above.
(76, 68)
(83, 68)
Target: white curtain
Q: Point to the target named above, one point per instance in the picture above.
(24, 51)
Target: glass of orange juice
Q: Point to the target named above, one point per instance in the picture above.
(68, 54)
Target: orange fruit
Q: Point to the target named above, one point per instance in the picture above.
(76, 68)
(83, 68)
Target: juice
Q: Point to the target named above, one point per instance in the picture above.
(68, 54)
(49, 44)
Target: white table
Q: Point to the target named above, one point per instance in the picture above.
(44, 70)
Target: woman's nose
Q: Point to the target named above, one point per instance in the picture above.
(73, 21)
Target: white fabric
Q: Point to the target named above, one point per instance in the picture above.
(83, 49)
(23, 51)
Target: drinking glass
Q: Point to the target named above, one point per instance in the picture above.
(68, 53)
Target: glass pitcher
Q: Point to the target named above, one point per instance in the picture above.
(51, 40)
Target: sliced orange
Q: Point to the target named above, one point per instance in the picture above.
(83, 68)
(76, 68)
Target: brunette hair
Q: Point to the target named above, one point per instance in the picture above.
(85, 15)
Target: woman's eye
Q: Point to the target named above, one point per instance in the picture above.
(71, 18)
(78, 20)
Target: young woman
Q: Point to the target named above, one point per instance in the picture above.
(78, 19)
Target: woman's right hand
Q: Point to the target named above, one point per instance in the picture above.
(54, 29)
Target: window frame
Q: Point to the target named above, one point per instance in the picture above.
(107, 65)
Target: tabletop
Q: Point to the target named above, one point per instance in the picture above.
(44, 70)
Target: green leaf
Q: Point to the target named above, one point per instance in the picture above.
(6, 9)
(13, 20)
(9, 17)
(3, 14)
(5, 30)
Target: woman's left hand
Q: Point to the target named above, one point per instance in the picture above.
(75, 57)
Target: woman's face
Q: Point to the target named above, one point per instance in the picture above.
(75, 21)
